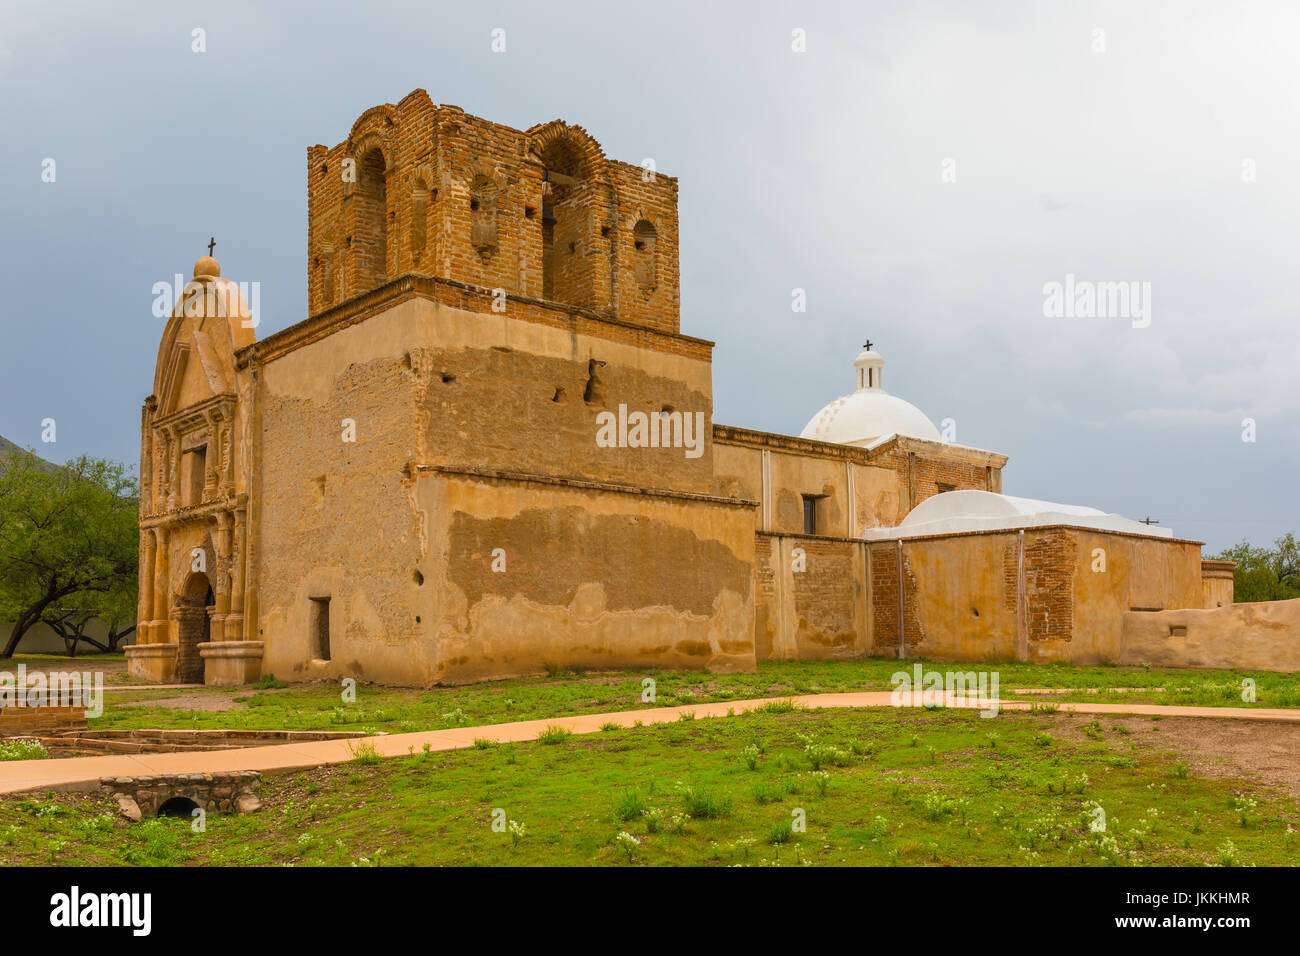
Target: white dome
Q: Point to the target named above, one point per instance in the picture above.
(870, 413)
(956, 511)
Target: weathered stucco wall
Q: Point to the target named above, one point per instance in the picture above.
(975, 596)
(516, 396)
(1138, 572)
(955, 603)
(874, 491)
(1262, 636)
(811, 598)
(337, 519)
(524, 573)
(426, 387)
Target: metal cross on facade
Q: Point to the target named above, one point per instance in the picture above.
(1148, 520)
(212, 244)
(868, 345)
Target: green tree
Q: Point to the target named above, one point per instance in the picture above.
(1265, 574)
(68, 539)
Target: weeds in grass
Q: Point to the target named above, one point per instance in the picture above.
(750, 755)
(775, 707)
(821, 780)
(1043, 739)
(628, 844)
(554, 735)
(1227, 854)
(1181, 769)
(1243, 805)
(704, 804)
(609, 726)
(819, 755)
(517, 833)
(629, 805)
(455, 718)
(782, 832)
(765, 793)
(937, 806)
(364, 753)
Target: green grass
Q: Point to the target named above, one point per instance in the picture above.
(684, 795)
(397, 710)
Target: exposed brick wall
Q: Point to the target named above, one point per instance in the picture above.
(539, 213)
(1049, 591)
(884, 601)
(1011, 575)
(922, 475)
(825, 595)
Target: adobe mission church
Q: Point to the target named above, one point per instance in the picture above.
(408, 487)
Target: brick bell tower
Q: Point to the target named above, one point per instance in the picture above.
(539, 213)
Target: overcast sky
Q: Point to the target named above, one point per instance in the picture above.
(922, 171)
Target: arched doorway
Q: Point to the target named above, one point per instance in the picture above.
(193, 627)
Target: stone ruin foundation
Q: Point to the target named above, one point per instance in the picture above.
(178, 794)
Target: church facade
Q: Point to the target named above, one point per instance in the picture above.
(489, 450)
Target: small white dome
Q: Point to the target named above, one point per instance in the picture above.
(954, 512)
(870, 413)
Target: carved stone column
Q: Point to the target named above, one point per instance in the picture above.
(173, 469)
(212, 460)
(144, 608)
(227, 455)
(221, 576)
(153, 659)
(159, 629)
(235, 619)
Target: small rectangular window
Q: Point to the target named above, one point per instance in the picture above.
(320, 628)
(809, 514)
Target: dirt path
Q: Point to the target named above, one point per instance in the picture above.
(85, 772)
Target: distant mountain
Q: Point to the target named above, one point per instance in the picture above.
(8, 448)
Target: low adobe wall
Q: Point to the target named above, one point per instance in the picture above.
(1044, 593)
(137, 741)
(1259, 636)
(33, 721)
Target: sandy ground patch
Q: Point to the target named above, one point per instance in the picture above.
(1261, 750)
(196, 700)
